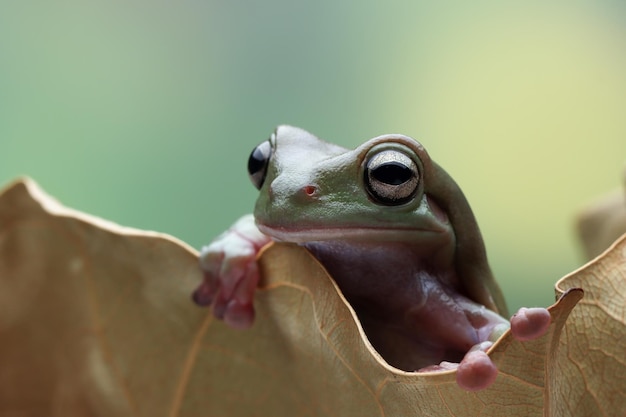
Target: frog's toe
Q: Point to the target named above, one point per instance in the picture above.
(238, 310)
(238, 315)
(530, 323)
(476, 371)
(203, 295)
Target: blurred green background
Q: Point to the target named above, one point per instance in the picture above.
(144, 112)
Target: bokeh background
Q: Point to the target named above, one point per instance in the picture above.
(144, 112)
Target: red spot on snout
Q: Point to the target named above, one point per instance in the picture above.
(310, 190)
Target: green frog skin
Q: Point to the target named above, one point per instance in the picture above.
(396, 234)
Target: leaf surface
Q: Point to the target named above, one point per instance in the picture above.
(593, 343)
(96, 319)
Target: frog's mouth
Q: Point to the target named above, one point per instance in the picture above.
(352, 233)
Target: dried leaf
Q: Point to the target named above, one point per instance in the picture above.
(593, 343)
(603, 221)
(95, 319)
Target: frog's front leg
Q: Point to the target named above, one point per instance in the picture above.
(231, 273)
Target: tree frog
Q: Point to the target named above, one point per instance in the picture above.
(396, 234)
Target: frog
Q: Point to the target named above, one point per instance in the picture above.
(396, 234)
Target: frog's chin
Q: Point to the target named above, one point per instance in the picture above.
(355, 234)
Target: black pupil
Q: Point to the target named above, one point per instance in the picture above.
(392, 173)
(257, 161)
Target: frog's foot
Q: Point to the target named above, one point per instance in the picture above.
(231, 273)
(476, 371)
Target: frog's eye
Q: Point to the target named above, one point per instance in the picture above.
(391, 177)
(258, 162)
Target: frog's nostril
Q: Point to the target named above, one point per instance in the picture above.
(310, 190)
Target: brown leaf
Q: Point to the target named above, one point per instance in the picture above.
(602, 222)
(95, 319)
(593, 343)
